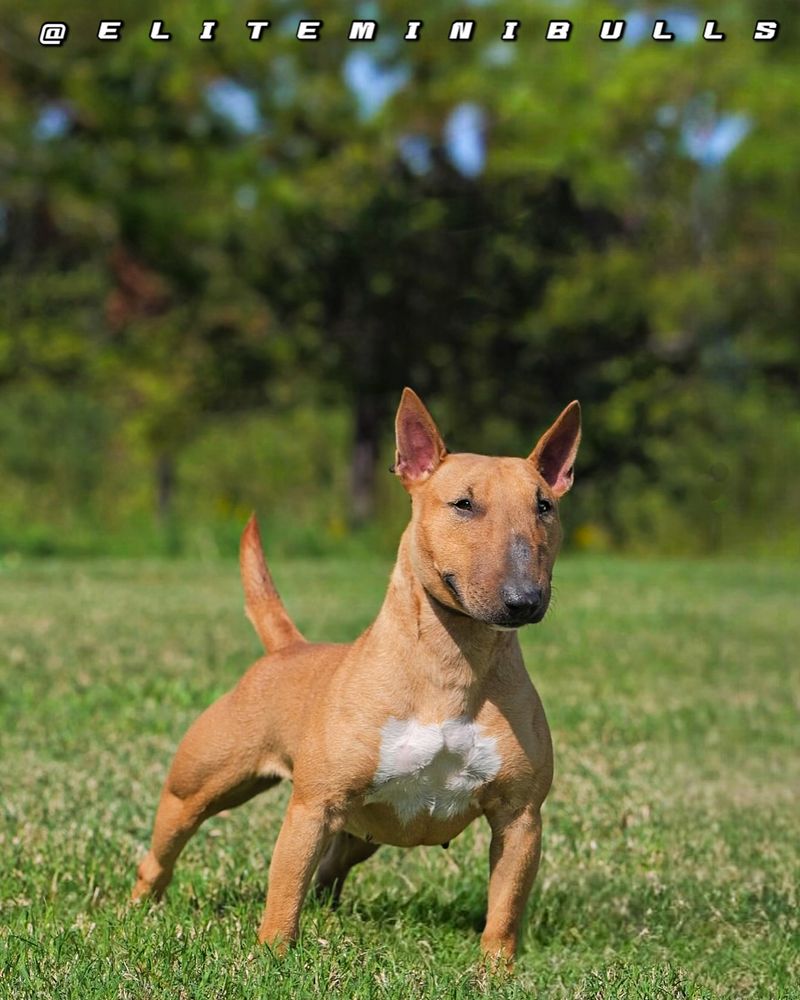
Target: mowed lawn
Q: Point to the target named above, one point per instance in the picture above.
(671, 835)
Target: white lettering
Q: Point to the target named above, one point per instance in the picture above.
(157, 33)
(660, 33)
(363, 31)
(461, 31)
(256, 29)
(109, 31)
(558, 31)
(612, 31)
(766, 31)
(308, 31)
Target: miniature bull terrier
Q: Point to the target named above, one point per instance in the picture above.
(424, 723)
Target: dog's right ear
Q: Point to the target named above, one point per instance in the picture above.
(420, 448)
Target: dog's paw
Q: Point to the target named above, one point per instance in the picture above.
(498, 959)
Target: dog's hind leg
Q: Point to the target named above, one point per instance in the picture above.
(342, 853)
(176, 822)
(212, 771)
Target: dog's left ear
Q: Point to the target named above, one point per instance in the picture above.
(554, 455)
(420, 448)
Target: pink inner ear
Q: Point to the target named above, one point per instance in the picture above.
(563, 481)
(416, 449)
(556, 461)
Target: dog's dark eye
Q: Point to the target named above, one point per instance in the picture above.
(543, 505)
(462, 504)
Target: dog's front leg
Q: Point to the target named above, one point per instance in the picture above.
(297, 851)
(514, 860)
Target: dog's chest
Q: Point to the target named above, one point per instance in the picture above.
(432, 769)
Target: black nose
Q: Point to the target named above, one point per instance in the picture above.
(522, 601)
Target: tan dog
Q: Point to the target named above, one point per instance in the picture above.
(427, 721)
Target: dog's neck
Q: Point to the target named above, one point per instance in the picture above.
(454, 651)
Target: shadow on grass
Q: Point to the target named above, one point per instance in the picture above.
(466, 910)
(595, 908)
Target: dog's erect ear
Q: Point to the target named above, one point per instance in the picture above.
(420, 448)
(554, 455)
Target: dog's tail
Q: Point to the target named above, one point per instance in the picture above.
(263, 604)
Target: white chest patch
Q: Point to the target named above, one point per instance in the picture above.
(434, 769)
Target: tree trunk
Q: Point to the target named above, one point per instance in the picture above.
(165, 501)
(165, 487)
(364, 461)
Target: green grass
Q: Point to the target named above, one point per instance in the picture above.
(670, 860)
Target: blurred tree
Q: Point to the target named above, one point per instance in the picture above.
(197, 227)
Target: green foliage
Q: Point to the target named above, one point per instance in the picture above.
(706, 471)
(176, 265)
(54, 444)
(291, 470)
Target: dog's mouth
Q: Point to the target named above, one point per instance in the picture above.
(452, 586)
(499, 621)
(460, 607)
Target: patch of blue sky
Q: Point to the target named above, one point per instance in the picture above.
(710, 142)
(415, 151)
(52, 123)
(368, 10)
(499, 53)
(372, 83)
(667, 115)
(287, 26)
(235, 103)
(464, 136)
(246, 197)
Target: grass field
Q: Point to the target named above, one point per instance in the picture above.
(671, 835)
